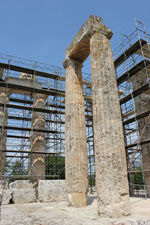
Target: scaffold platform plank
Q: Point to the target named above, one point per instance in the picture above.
(28, 108)
(135, 93)
(137, 117)
(44, 91)
(135, 144)
(133, 71)
(31, 71)
(30, 129)
(132, 49)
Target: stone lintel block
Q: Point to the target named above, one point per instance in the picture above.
(51, 190)
(80, 46)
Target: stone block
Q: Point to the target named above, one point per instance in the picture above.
(3, 184)
(51, 190)
(21, 184)
(7, 196)
(27, 195)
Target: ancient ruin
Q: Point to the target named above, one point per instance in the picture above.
(110, 160)
(70, 136)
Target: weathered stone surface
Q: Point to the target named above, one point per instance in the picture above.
(57, 213)
(75, 136)
(3, 184)
(4, 98)
(24, 195)
(21, 184)
(38, 140)
(7, 196)
(20, 191)
(111, 171)
(52, 190)
(110, 160)
(80, 47)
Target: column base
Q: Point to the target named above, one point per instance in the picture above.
(77, 199)
(117, 210)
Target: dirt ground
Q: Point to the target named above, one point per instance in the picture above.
(53, 213)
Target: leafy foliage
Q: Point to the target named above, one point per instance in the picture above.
(55, 166)
(137, 179)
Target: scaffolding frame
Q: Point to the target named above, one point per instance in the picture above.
(131, 62)
(130, 58)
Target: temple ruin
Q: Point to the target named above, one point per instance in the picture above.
(65, 134)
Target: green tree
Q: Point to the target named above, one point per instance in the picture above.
(55, 166)
(15, 169)
(137, 179)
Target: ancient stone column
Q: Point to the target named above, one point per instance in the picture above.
(142, 104)
(75, 136)
(4, 98)
(38, 139)
(110, 159)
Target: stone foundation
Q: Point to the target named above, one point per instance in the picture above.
(51, 190)
(24, 191)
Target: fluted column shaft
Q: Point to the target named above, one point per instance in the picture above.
(111, 172)
(4, 98)
(75, 136)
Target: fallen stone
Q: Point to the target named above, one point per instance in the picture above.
(21, 184)
(26, 195)
(51, 190)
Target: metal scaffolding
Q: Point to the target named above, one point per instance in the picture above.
(132, 71)
(22, 80)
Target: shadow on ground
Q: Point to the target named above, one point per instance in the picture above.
(91, 199)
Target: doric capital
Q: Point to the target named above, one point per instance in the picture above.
(103, 30)
(76, 64)
(97, 26)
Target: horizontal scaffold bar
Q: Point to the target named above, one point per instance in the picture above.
(137, 117)
(135, 144)
(22, 107)
(135, 93)
(30, 129)
(31, 71)
(133, 71)
(29, 152)
(132, 49)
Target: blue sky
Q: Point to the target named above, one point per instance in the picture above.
(41, 30)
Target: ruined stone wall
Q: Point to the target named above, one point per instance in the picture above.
(24, 191)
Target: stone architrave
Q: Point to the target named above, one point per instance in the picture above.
(110, 159)
(75, 136)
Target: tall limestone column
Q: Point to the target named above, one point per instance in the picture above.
(110, 159)
(4, 98)
(3, 132)
(75, 136)
(38, 139)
